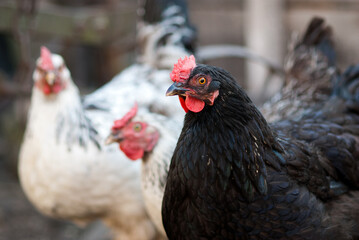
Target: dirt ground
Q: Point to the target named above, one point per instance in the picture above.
(19, 220)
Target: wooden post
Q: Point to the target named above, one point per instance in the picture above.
(264, 34)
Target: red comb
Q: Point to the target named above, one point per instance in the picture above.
(183, 68)
(46, 61)
(118, 124)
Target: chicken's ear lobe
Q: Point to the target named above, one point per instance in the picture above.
(153, 140)
(213, 97)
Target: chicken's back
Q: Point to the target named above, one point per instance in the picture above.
(310, 69)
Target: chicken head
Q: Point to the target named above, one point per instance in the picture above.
(51, 74)
(135, 137)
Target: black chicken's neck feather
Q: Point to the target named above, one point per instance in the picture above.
(233, 135)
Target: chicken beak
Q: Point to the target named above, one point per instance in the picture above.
(50, 78)
(113, 138)
(176, 89)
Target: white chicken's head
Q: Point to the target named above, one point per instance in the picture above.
(51, 75)
(134, 136)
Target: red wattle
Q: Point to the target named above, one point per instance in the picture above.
(131, 153)
(46, 89)
(183, 104)
(194, 104)
(56, 88)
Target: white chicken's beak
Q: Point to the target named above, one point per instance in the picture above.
(109, 140)
(112, 139)
(50, 78)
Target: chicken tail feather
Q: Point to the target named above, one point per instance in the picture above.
(346, 86)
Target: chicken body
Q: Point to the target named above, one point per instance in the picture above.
(67, 172)
(155, 165)
(154, 137)
(233, 176)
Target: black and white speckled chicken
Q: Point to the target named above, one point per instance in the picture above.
(234, 176)
(310, 69)
(166, 36)
(152, 138)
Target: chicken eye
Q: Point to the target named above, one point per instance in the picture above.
(137, 127)
(202, 80)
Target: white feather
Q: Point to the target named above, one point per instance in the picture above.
(156, 165)
(64, 179)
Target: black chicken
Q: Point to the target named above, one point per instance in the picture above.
(234, 176)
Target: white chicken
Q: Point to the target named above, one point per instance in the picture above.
(152, 138)
(64, 167)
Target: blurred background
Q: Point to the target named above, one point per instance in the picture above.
(97, 39)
